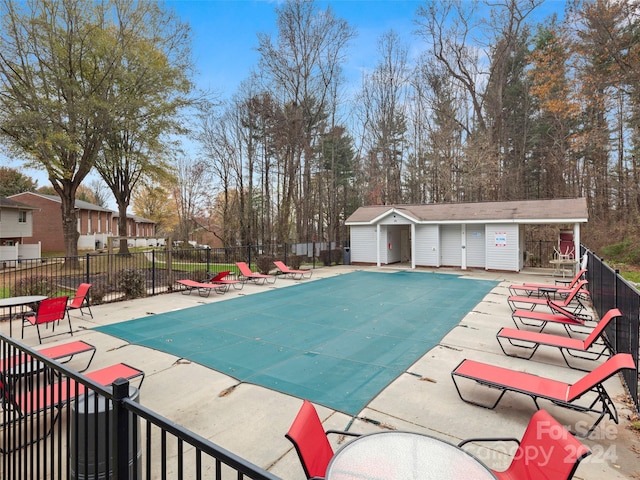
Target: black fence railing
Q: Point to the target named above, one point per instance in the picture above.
(58, 424)
(609, 290)
(117, 277)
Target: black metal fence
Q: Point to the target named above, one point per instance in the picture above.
(119, 277)
(58, 424)
(609, 290)
(539, 252)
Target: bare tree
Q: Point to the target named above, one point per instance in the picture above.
(191, 194)
(383, 100)
(303, 66)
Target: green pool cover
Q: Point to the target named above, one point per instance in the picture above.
(337, 341)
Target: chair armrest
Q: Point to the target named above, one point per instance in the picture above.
(489, 439)
(563, 282)
(343, 432)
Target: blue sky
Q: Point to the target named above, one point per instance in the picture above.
(225, 34)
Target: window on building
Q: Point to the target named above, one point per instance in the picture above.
(22, 216)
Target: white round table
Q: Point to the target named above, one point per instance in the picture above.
(398, 455)
(18, 301)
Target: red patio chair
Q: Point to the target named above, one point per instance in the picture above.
(221, 279)
(52, 397)
(561, 457)
(259, 278)
(571, 302)
(560, 393)
(311, 442)
(294, 274)
(49, 310)
(541, 289)
(569, 347)
(81, 299)
(559, 315)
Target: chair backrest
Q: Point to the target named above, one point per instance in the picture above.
(81, 294)
(574, 291)
(577, 278)
(244, 268)
(599, 328)
(51, 309)
(559, 308)
(547, 451)
(219, 276)
(566, 244)
(599, 374)
(311, 442)
(281, 266)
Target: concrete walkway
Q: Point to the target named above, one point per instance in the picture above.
(251, 421)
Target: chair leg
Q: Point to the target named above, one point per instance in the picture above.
(70, 329)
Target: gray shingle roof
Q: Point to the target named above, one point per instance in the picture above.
(8, 203)
(569, 210)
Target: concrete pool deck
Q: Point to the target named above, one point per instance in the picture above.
(251, 421)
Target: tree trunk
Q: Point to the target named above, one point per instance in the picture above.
(70, 228)
(122, 228)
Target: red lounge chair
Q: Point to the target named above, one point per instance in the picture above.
(49, 310)
(295, 274)
(563, 452)
(311, 442)
(571, 302)
(81, 299)
(64, 353)
(54, 396)
(558, 315)
(569, 347)
(259, 278)
(220, 279)
(204, 289)
(542, 289)
(560, 393)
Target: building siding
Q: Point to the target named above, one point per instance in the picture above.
(502, 247)
(363, 244)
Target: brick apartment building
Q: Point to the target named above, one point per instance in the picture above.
(95, 224)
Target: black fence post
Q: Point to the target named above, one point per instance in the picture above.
(121, 436)
(88, 269)
(208, 260)
(615, 288)
(153, 271)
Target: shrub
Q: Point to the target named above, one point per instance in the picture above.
(295, 261)
(325, 257)
(97, 294)
(36, 285)
(265, 263)
(131, 283)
